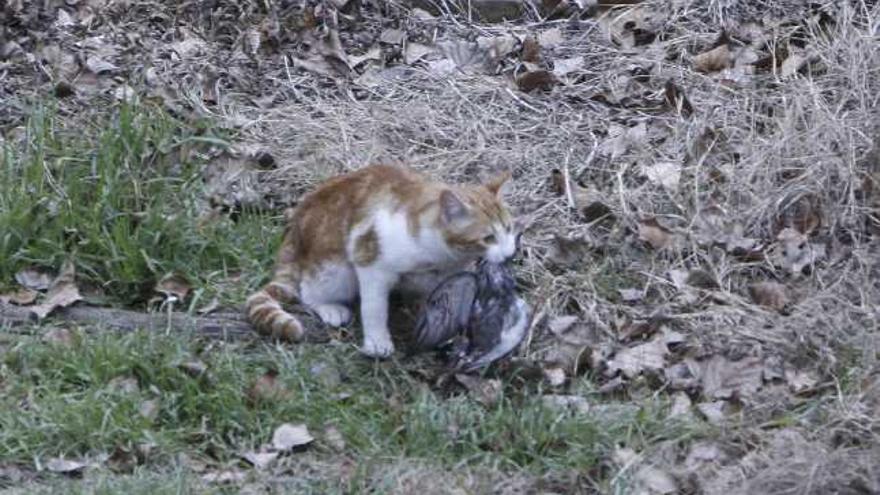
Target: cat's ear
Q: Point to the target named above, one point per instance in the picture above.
(452, 208)
(496, 184)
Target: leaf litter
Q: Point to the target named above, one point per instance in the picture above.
(611, 87)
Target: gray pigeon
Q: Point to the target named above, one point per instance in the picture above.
(478, 313)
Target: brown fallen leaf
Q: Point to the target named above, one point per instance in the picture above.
(333, 437)
(664, 174)
(676, 99)
(648, 356)
(149, 409)
(565, 66)
(416, 51)
(288, 436)
(714, 60)
(681, 405)
(794, 252)
(486, 391)
(124, 385)
(531, 50)
(21, 297)
(536, 79)
(555, 376)
(771, 295)
(715, 412)
(58, 336)
(193, 368)
(801, 382)
(212, 306)
(224, 477)
(725, 379)
(65, 466)
(560, 324)
(34, 279)
(574, 403)
(260, 460)
(62, 293)
(174, 287)
(653, 233)
(266, 387)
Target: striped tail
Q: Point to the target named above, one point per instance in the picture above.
(266, 314)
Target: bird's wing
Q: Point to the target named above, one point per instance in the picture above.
(446, 311)
(515, 326)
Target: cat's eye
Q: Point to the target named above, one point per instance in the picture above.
(489, 239)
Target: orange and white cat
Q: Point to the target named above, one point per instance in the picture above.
(365, 233)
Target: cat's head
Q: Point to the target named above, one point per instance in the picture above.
(476, 222)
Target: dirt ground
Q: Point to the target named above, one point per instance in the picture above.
(700, 182)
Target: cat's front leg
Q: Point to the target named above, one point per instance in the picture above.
(375, 286)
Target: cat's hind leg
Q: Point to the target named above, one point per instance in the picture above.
(330, 292)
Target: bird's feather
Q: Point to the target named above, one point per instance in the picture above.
(446, 311)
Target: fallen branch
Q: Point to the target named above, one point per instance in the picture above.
(225, 326)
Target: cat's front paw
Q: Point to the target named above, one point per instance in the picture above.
(378, 348)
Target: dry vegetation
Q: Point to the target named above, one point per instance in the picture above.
(700, 183)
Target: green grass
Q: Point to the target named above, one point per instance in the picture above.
(120, 198)
(59, 400)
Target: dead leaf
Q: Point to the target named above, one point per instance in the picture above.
(560, 324)
(193, 368)
(714, 412)
(801, 382)
(665, 174)
(34, 279)
(288, 436)
(260, 460)
(209, 308)
(631, 295)
(648, 356)
(622, 139)
(791, 65)
(223, 477)
(656, 480)
(551, 37)
(676, 99)
(65, 466)
(653, 233)
(149, 409)
(124, 384)
(537, 79)
(62, 292)
(565, 66)
(97, 65)
(573, 403)
(555, 376)
(714, 60)
(681, 405)
(392, 36)
(531, 50)
(21, 297)
(704, 453)
(334, 439)
(58, 336)
(415, 52)
(725, 379)
(374, 53)
(771, 295)
(174, 287)
(486, 391)
(568, 252)
(794, 252)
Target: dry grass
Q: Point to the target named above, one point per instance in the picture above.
(767, 150)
